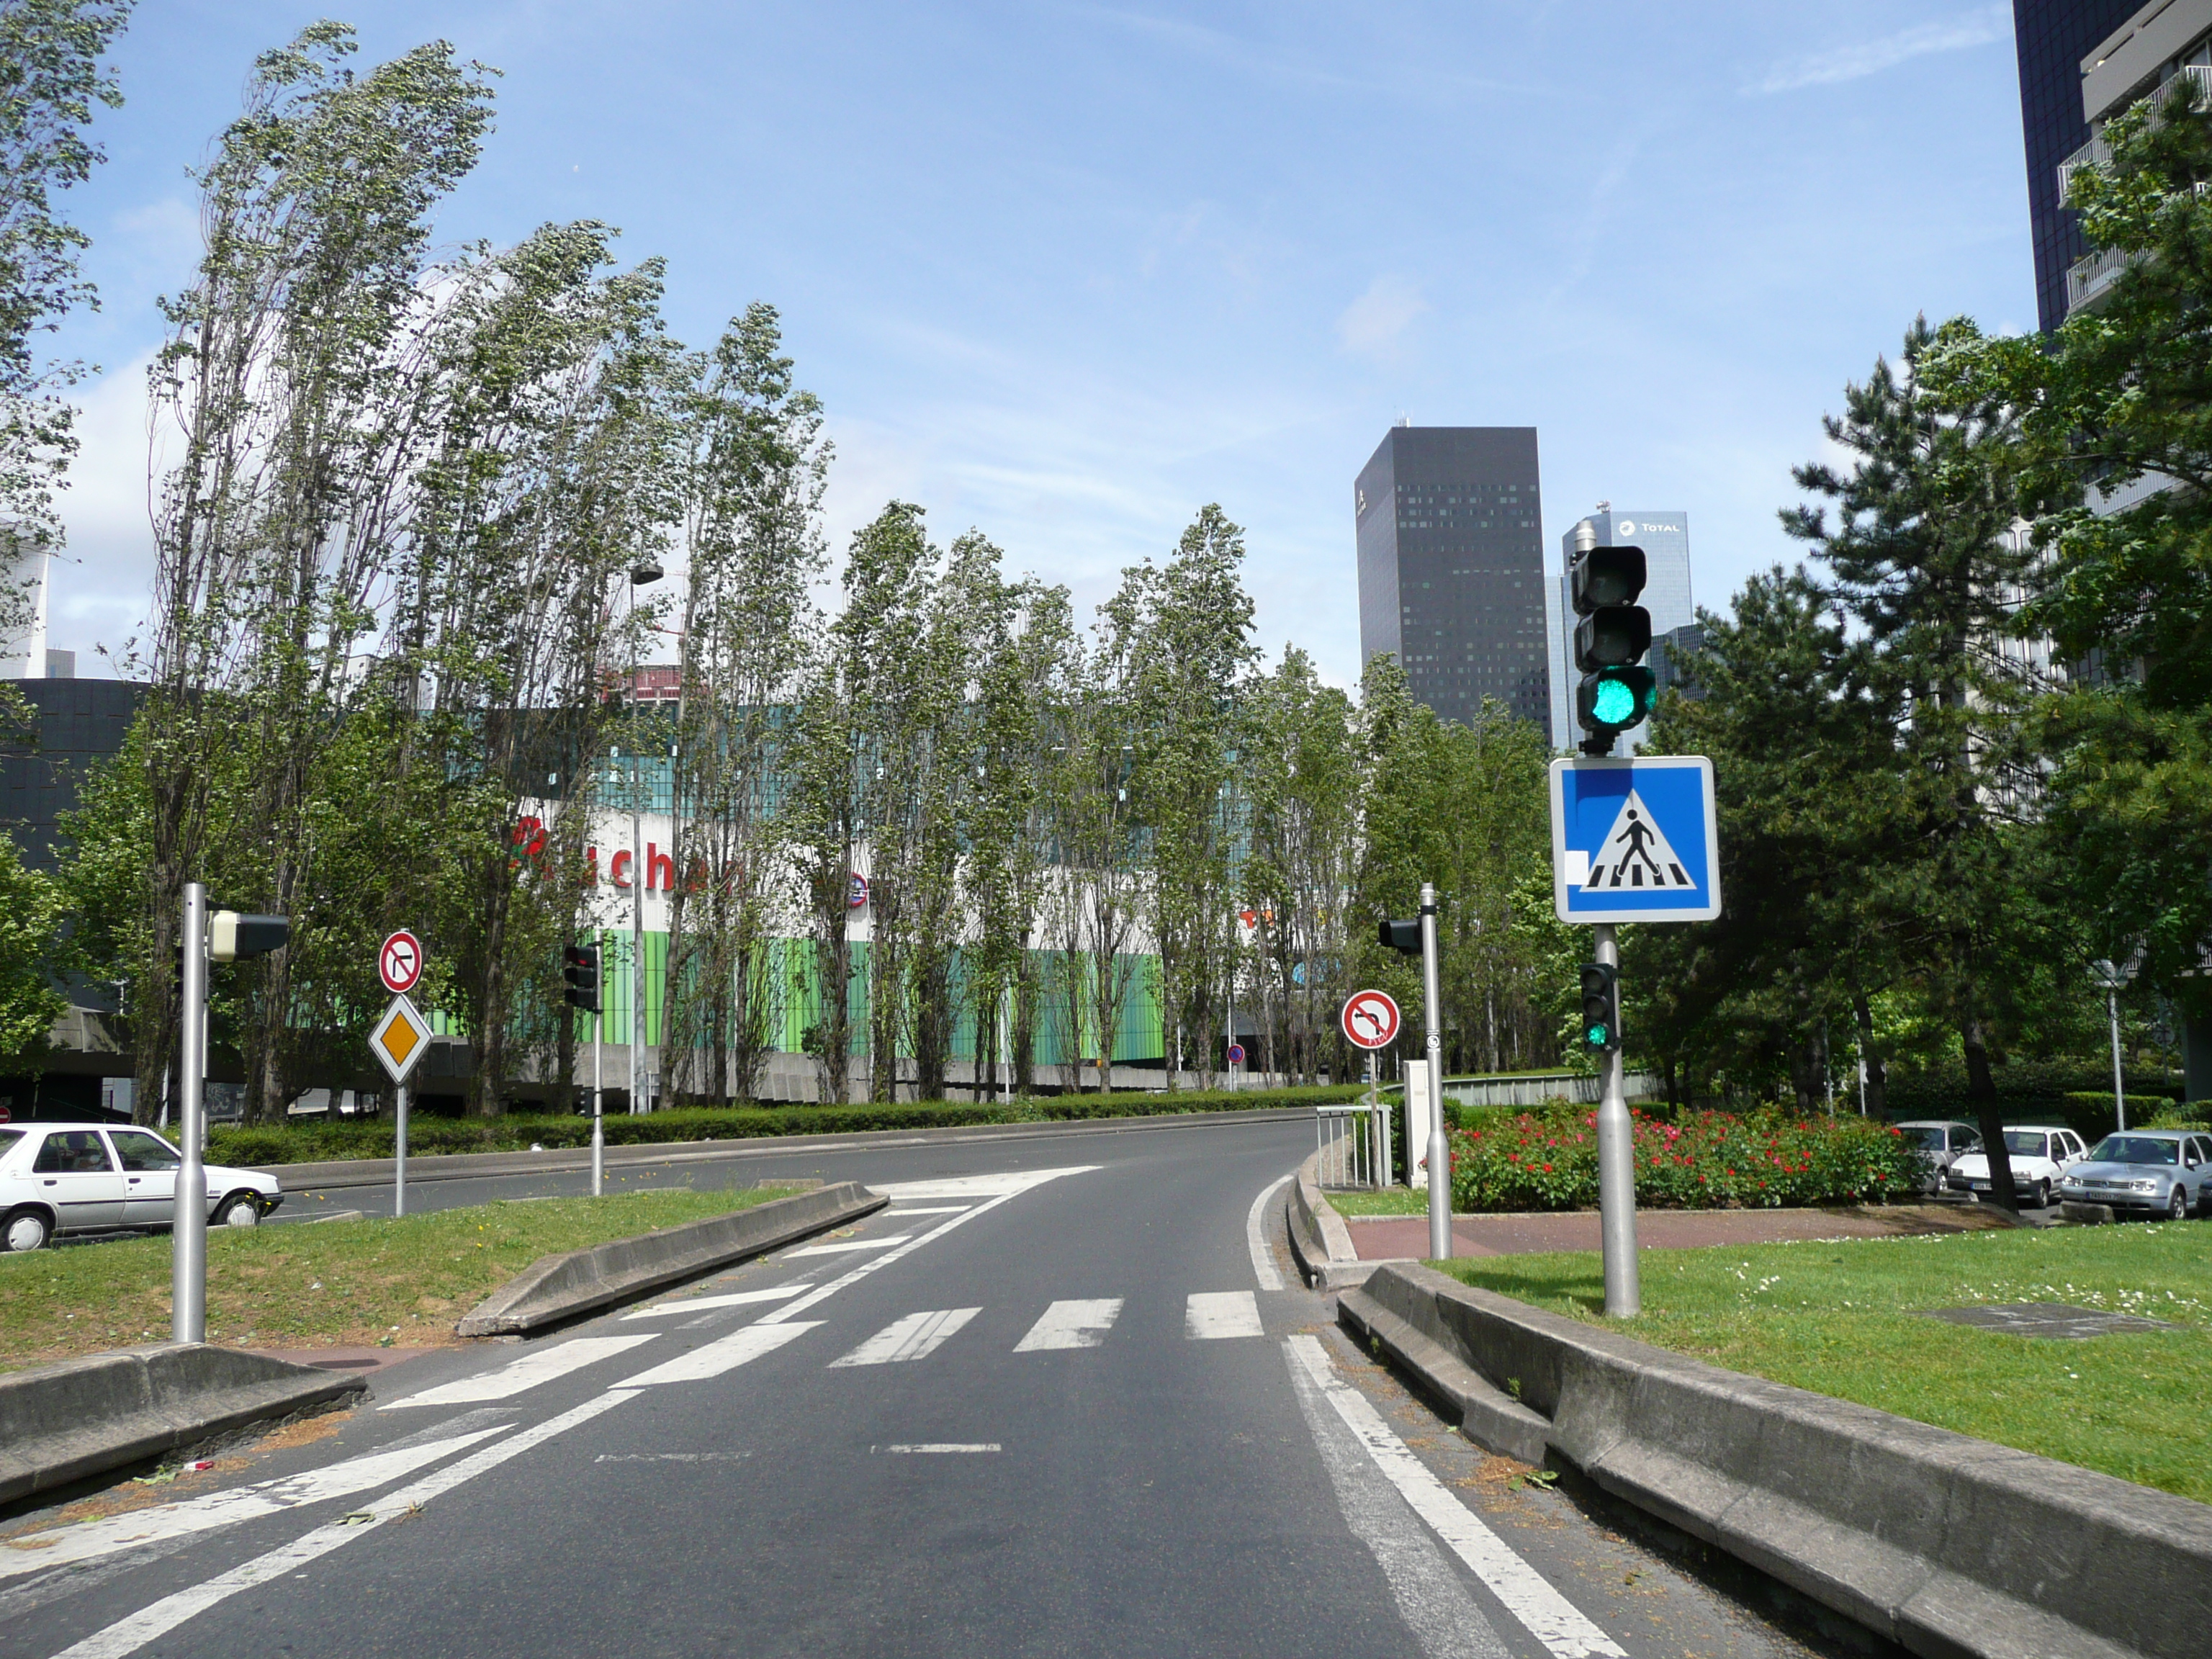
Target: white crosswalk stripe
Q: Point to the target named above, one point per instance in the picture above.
(733, 1299)
(915, 1337)
(737, 1348)
(846, 1247)
(1071, 1325)
(527, 1372)
(1212, 1315)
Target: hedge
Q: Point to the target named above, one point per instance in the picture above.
(2024, 1087)
(1706, 1160)
(357, 1138)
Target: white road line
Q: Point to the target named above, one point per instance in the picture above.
(1210, 1315)
(1005, 1184)
(530, 1372)
(899, 1212)
(87, 1540)
(1255, 1240)
(927, 1189)
(1553, 1620)
(1434, 1599)
(1071, 1325)
(739, 1347)
(128, 1635)
(734, 1299)
(915, 1337)
(927, 1447)
(846, 1247)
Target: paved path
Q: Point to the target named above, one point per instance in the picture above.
(1390, 1238)
(1064, 1397)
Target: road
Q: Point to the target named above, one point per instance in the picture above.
(1063, 1397)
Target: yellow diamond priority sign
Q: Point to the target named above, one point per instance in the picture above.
(399, 1038)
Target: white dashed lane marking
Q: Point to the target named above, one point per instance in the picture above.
(1071, 1325)
(527, 1372)
(915, 1337)
(737, 1348)
(1214, 1314)
(846, 1247)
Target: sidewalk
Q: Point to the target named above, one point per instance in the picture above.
(1386, 1239)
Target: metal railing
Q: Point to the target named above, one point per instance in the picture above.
(2087, 278)
(1352, 1143)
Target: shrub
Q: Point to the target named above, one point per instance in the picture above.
(1708, 1160)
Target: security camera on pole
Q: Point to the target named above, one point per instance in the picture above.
(225, 937)
(1632, 839)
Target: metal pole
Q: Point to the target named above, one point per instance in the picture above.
(598, 1123)
(1375, 1177)
(1616, 1168)
(399, 1148)
(638, 870)
(188, 1209)
(1439, 1147)
(2119, 1082)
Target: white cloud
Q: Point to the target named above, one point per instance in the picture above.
(1372, 324)
(1852, 62)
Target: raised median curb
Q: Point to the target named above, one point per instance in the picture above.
(558, 1288)
(1947, 1545)
(1320, 1242)
(64, 1423)
(336, 1174)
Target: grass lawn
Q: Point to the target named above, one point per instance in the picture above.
(1391, 1200)
(398, 1282)
(1837, 1318)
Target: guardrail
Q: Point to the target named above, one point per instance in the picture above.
(1352, 1143)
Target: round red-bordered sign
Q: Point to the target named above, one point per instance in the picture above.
(1371, 1020)
(399, 964)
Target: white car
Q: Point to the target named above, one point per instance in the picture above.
(2041, 1155)
(98, 1178)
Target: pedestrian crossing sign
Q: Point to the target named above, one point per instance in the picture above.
(1635, 839)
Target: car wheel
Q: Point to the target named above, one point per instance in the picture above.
(26, 1230)
(240, 1210)
(2177, 1203)
(2042, 1194)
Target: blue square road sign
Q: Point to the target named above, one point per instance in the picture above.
(1635, 839)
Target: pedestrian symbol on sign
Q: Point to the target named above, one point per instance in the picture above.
(1635, 854)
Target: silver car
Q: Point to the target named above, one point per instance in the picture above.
(2156, 1171)
(96, 1177)
(1940, 1141)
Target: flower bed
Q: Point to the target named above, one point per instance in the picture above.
(1707, 1160)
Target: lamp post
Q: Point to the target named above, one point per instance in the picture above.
(2114, 978)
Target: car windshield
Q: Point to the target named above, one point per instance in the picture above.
(2133, 1149)
(2025, 1142)
(1926, 1140)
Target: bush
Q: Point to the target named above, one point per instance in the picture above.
(1709, 1160)
(429, 1137)
(2026, 1088)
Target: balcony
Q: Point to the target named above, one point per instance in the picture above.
(2086, 280)
(2096, 152)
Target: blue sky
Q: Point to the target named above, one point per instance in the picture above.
(1065, 272)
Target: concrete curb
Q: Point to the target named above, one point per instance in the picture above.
(1947, 1545)
(1320, 1242)
(62, 1423)
(557, 1288)
(337, 1174)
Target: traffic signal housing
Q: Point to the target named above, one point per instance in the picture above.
(1611, 639)
(1403, 937)
(580, 972)
(232, 936)
(1600, 1007)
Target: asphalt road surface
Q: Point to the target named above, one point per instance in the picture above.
(1065, 1396)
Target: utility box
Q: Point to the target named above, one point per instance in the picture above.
(1417, 1121)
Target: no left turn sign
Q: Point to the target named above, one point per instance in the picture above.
(399, 964)
(1371, 1020)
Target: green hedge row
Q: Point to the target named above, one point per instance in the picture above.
(2023, 1086)
(313, 1143)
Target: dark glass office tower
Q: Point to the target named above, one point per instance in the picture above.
(2052, 38)
(1451, 567)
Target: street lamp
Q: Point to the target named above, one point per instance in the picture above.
(2114, 979)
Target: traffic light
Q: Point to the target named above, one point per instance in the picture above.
(232, 936)
(1403, 937)
(1601, 1006)
(580, 971)
(1610, 642)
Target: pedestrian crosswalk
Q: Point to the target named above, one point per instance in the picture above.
(1072, 1323)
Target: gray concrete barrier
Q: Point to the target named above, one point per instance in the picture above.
(66, 1422)
(1320, 1242)
(557, 1288)
(1944, 1543)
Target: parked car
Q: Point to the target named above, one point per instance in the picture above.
(2041, 1154)
(1940, 1141)
(94, 1177)
(2159, 1171)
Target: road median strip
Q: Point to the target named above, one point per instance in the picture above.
(1941, 1542)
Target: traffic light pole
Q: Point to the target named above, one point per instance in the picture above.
(598, 1124)
(188, 1229)
(1616, 1166)
(1439, 1148)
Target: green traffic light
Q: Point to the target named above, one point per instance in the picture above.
(1615, 702)
(1595, 1036)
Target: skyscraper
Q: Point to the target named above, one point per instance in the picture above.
(2053, 38)
(1451, 567)
(1665, 539)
